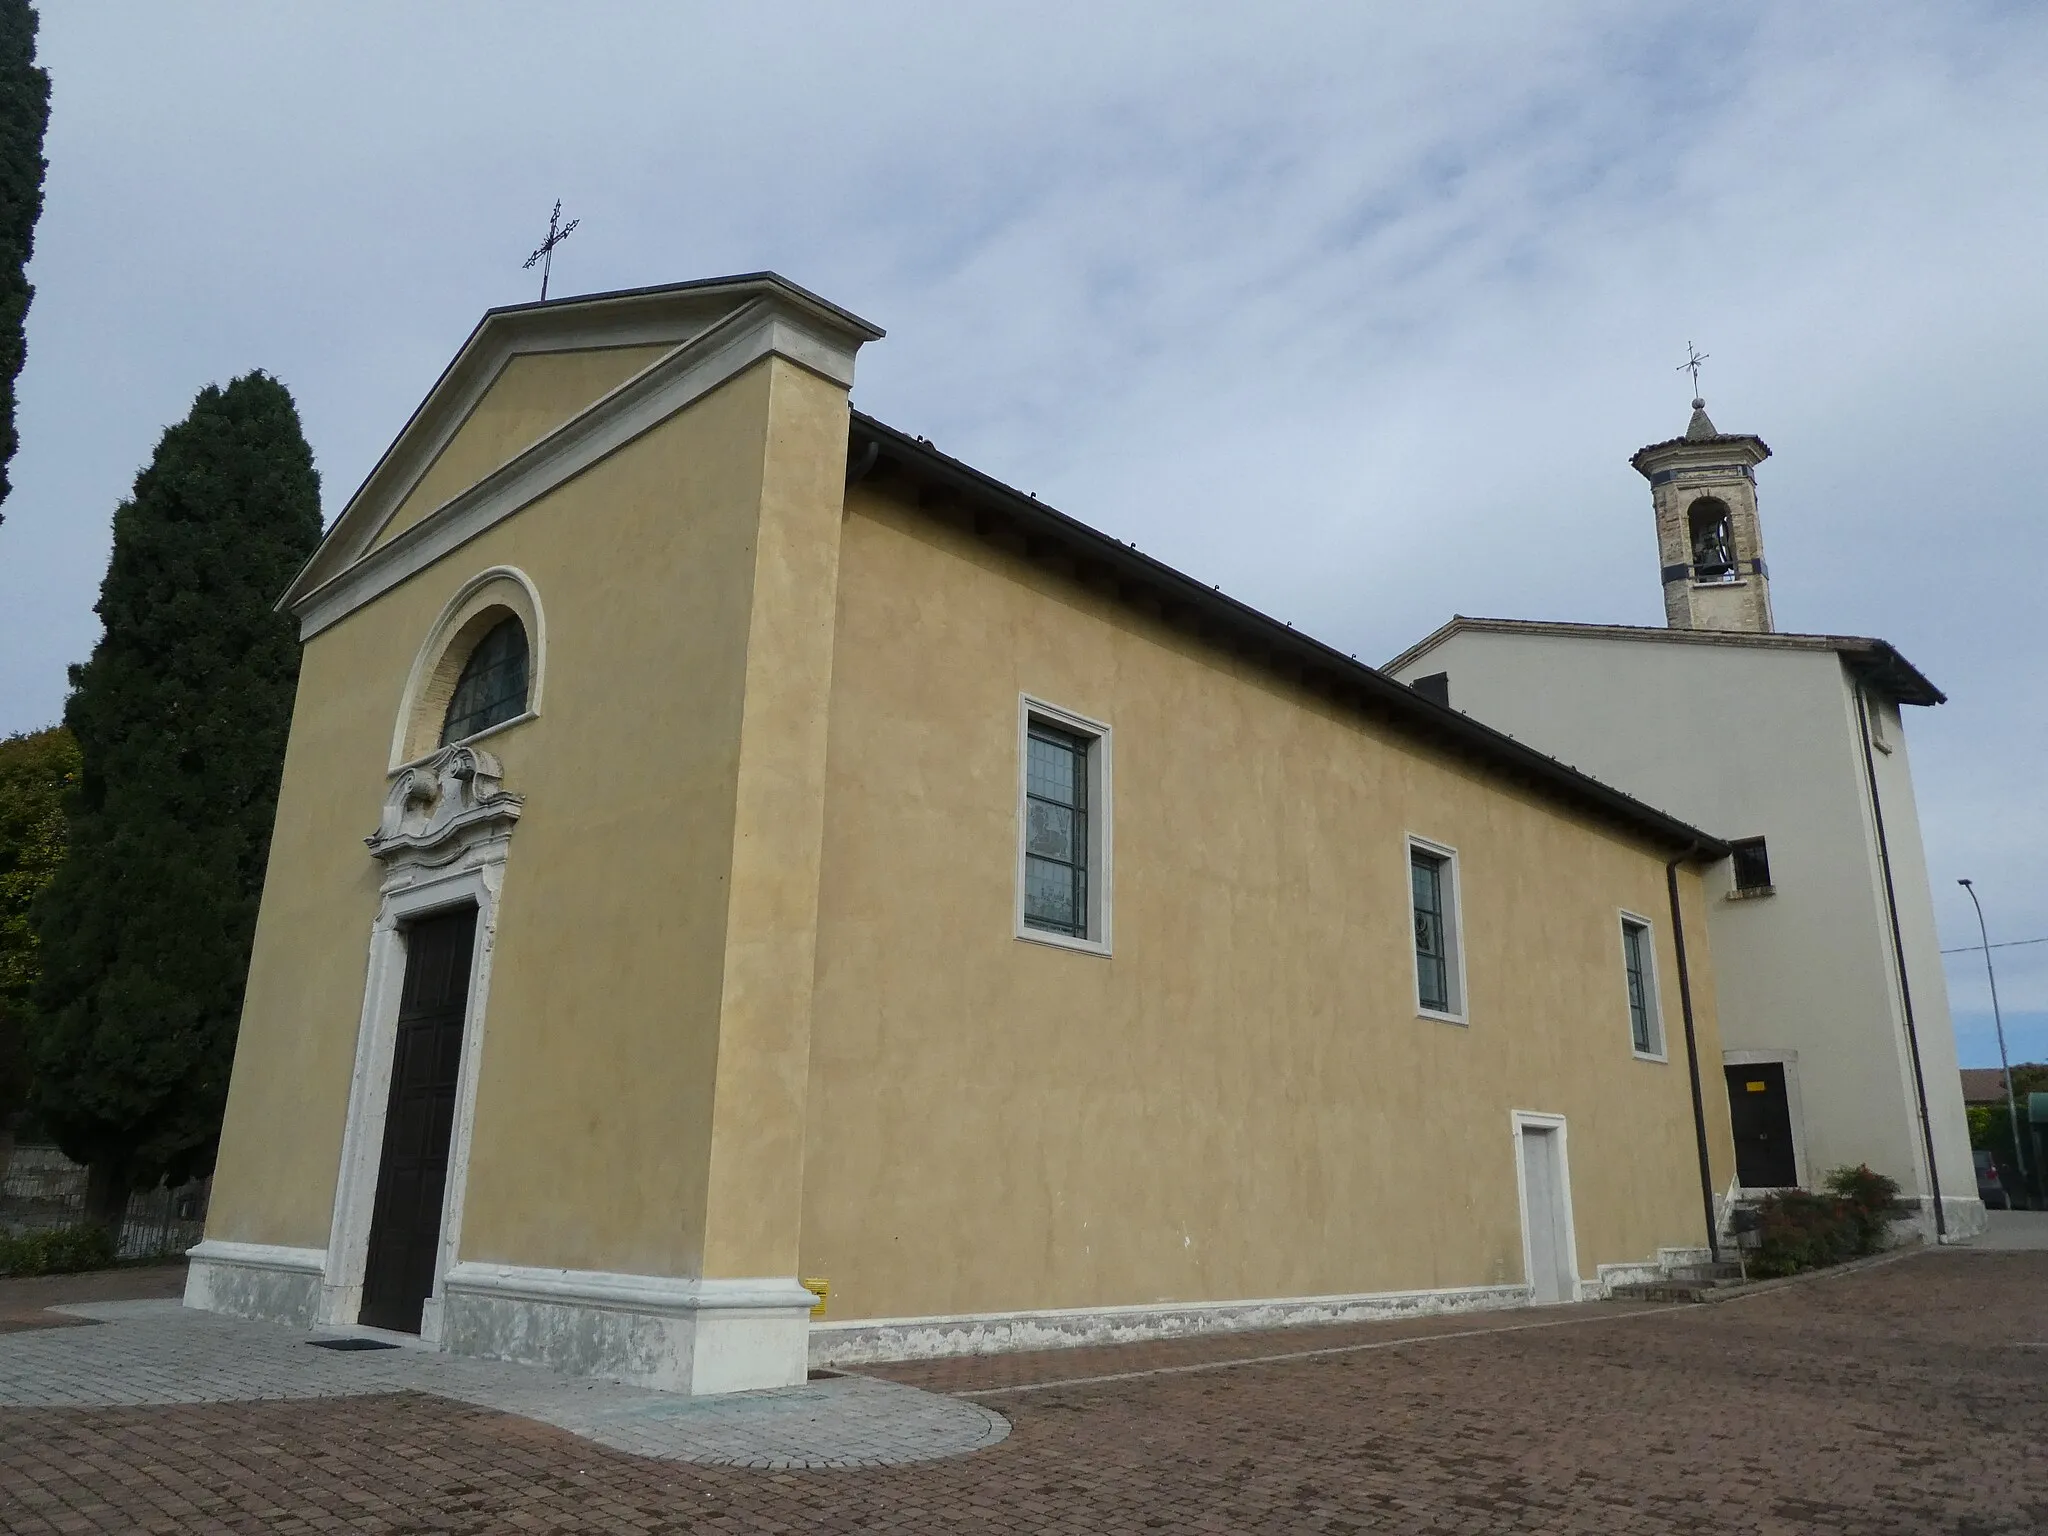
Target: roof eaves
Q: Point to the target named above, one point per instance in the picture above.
(697, 285)
(1747, 443)
(1426, 644)
(1877, 662)
(1390, 699)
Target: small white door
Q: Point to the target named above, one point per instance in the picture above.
(1546, 1214)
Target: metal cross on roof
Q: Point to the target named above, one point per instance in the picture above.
(545, 256)
(1691, 365)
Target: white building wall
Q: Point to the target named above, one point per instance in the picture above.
(1746, 742)
(1924, 971)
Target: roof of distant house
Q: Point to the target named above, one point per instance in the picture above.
(1986, 1085)
(1875, 662)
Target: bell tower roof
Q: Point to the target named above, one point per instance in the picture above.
(1700, 434)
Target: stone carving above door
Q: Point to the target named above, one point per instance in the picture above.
(440, 806)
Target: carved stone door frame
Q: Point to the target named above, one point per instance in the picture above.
(444, 840)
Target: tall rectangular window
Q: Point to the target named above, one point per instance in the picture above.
(1056, 830)
(1752, 864)
(1063, 825)
(1433, 903)
(1644, 1027)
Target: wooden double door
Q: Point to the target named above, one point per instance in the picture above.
(419, 1120)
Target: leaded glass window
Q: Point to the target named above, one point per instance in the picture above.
(1056, 831)
(492, 688)
(1635, 959)
(1427, 874)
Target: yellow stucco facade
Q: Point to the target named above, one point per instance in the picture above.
(757, 1006)
(1241, 1100)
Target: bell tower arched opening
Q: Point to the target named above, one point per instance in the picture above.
(1713, 540)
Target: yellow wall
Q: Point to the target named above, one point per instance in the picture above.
(1241, 1102)
(532, 395)
(594, 1118)
(754, 1195)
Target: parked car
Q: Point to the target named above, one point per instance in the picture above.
(1990, 1188)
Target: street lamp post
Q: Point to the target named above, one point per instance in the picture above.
(2011, 1107)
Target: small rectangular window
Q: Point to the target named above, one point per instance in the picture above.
(1752, 864)
(1432, 888)
(1063, 854)
(1638, 965)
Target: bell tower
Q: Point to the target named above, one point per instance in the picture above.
(1709, 540)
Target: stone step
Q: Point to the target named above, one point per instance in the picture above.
(1700, 1273)
(1676, 1290)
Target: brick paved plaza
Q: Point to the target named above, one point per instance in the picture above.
(1912, 1396)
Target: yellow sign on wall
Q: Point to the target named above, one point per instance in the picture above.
(822, 1289)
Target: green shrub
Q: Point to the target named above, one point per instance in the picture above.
(1798, 1230)
(1873, 1202)
(57, 1250)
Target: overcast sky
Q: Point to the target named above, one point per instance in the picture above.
(1358, 310)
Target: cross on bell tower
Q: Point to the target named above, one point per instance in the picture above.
(1709, 539)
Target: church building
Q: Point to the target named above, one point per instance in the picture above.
(750, 891)
(1837, 1043)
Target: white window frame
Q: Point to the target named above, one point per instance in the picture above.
(1100, 821)
(1652, 987)
(1454, 929)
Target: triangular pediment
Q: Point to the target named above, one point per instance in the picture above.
(530, 398)
(538, 392)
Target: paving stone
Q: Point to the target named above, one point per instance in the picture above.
(155, 1352)
(1895, 1400)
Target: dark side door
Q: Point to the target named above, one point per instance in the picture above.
(405, 1227)
(1760, 1114)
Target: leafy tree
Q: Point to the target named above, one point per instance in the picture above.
(35, 771)
(1991, 1127)
(181, 715)
(24, 115)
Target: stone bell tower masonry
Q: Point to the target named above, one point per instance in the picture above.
(1709, 540)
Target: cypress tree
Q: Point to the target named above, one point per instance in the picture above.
(35, 771)
(24, 115)
(181, 715)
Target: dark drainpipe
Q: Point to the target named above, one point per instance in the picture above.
(1692, 1052)
(1891, 907)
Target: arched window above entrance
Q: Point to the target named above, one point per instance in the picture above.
(479, 670)
(492, 686)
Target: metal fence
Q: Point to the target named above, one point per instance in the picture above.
(44, 1188)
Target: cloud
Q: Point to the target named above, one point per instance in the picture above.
(1357, 312)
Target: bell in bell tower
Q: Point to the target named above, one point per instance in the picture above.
(1709, 541)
